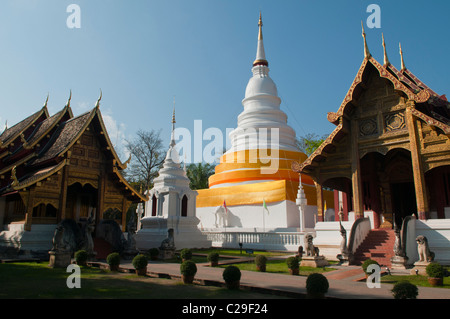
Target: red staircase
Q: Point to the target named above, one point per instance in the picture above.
(378, 245)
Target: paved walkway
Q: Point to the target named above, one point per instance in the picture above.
(344, 282)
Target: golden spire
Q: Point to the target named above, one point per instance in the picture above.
(401, 56)
(172, 136)
(386, 60)
(367, 54)
(260, 24)
(173, 115)
(260, 54)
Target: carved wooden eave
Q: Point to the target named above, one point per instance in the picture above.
(321, 152)
(20, 162)
(36, 177)
(11, 134)
(431, 121)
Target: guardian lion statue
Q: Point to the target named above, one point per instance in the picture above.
(425, 254)
(311, 250)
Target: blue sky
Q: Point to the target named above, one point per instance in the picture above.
(142, 53)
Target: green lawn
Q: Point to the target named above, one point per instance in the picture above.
(414, 279)
(280, 266)
(37, 280)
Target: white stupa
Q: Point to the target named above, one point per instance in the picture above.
(171, 205)
(254, 187)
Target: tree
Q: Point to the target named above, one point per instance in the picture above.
(199, 174)
(147, 155)
(309, 143)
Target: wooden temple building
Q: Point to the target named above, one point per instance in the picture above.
(390, 150)
(60, 167)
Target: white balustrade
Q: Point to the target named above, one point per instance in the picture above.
(289, 241)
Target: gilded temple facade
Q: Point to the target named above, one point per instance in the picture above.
(390, 150)
(60, 167)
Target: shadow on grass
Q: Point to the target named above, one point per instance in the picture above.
(37, 280)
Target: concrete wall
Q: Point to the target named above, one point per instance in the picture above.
(437, 232)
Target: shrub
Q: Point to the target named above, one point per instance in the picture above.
(435, 270)
(260, 260)
(292, 263)
(405, 290)
(153, 253)
(188, 268)
(368, 262)
(213, 256)
(186, 254)
(113, 259)
(231, 274)
(140, 262)
(81, 257)
(316, 285)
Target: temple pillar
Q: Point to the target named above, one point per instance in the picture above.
(358, 204)
(101, 196)
(63, 195)
(29, 212)
(418, 172)
(319, 194)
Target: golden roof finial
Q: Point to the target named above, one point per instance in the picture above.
(70, 98)
(367, 54)
(401, 56)
(97, 104)
(46, 101)
(386, 60)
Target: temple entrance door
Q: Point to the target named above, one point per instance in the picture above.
(81, 202)
(403, 201)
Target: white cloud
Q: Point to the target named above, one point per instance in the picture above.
(116, 133)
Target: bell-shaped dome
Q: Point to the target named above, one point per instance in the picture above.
(260, 83)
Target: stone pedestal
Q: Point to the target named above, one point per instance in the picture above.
(420, 266)
(343, 259)
(59, 259)
(165, 254)
(316, 261)
(398, 262)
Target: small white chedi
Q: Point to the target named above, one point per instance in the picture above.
(171, 205)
